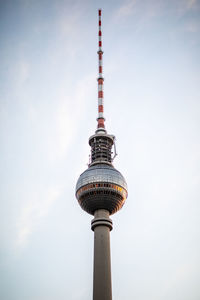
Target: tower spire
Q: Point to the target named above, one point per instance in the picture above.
(100, 79)
(101, 190)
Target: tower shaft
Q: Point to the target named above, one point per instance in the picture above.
(102, 285)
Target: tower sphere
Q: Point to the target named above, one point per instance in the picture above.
(101, 186)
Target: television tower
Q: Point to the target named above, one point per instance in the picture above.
(101, 191)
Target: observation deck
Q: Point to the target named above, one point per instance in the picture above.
(101, 186)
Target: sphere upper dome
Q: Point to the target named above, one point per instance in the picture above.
(101, 186)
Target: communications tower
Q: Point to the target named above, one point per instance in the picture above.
(101, 191)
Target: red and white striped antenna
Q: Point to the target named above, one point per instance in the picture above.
(100, 79)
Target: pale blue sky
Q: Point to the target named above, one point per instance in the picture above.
(48, 110)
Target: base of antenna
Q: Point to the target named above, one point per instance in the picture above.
(101, 131)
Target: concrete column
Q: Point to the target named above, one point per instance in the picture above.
(102, 285)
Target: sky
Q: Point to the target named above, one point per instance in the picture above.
(48, 110)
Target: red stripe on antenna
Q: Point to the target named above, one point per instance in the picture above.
(100, 108)
(100, 94)
(100, 81)
(101, 123)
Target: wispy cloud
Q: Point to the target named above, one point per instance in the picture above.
(192, 27)
(72, 106)
(153, 8)
(126, 9)
(142, 11)
(20, 72)
(31, 214)
(185, 6)
(191, 3)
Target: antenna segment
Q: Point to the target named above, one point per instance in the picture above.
(100, 80)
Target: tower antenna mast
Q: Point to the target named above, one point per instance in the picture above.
(100, 79)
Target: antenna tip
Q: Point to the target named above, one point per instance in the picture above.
(99, 12)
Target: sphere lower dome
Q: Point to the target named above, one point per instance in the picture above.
(101, 186)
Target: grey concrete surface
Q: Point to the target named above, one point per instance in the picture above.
(102, 283)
